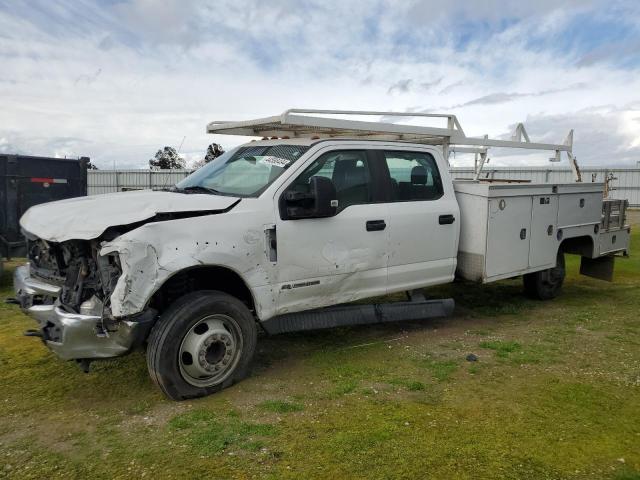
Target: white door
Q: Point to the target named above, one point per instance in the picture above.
(543, 244)
(423, 221)
(508, 235)
(325, 261)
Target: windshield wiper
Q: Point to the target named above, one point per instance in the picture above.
(199, 188)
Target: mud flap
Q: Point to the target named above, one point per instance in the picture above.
(600, 268)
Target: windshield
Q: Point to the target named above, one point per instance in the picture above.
(244, 171)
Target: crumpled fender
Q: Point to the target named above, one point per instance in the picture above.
(152, 253)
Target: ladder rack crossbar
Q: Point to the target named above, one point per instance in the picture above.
(298, 123)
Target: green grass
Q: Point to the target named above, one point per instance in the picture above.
(410, 385)
(209, 433)
(473, 369)
(627, 474)
(554, 394)
(442, 370)
(415, 386)
(502, 349)
(280, 406)
(542, 352)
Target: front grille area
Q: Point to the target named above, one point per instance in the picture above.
(76, 267)
(45, 259)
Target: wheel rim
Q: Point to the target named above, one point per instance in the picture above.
(210, 350)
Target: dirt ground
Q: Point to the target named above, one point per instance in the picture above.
(554, 392)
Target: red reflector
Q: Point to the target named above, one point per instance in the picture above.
(48, 180)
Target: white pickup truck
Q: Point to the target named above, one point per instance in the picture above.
(281, 234)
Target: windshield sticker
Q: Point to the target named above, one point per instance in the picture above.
(278, 162)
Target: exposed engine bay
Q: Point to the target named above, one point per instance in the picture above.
(77, 268)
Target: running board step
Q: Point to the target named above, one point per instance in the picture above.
(344, 315)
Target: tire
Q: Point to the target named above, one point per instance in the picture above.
(545, 284)
(203, 343)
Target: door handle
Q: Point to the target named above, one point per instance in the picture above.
(523, 234)
(376, 225)
(446, 219)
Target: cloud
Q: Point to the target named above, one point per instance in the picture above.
(118, 80)
(625, 51)
(407, 84)
(494, 98)
(7, 147)
(401, 86)
(432, 84)
(451, 87)
(601, 139)
(88, 79)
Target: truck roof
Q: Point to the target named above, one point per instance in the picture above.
(311, 141)
(280, 141)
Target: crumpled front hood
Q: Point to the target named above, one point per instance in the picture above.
(86, 218)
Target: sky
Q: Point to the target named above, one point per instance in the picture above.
(117, 80)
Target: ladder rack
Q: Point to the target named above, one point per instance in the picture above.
(310, 123)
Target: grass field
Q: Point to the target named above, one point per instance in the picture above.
(555, 393)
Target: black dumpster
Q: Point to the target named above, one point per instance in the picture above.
(26, 181)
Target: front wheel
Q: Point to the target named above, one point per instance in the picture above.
(203, 343)
(545, 284)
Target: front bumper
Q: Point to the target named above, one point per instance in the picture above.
(73, 335)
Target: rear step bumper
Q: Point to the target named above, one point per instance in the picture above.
(344, 315)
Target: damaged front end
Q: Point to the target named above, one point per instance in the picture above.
(66, 287)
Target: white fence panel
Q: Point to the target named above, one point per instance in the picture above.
(108, 181)
(626, 183)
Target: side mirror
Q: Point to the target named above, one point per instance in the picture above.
(320, 202)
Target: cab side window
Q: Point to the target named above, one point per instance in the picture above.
(414, 176)
(348, 169)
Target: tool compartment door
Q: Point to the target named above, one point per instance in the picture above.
(544, 221)
(508, 236)
(576, 209)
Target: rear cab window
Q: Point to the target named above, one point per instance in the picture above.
(414, 176)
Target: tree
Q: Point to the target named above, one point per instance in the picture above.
(90, 166)
(213, 151)
(167, 159)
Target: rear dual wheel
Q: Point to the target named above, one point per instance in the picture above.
(203, 343)
(545, 284)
